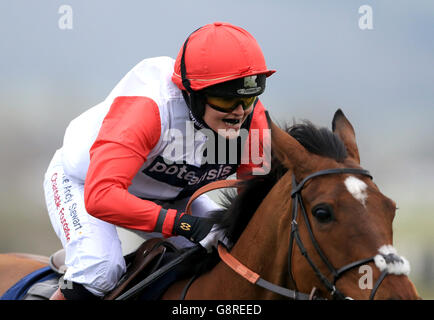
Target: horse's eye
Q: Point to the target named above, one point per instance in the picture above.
(323, 213)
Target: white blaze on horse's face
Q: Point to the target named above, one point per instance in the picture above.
(357, 188)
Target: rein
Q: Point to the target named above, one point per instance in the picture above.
(297, 202)
(232, 262)
(256, 279)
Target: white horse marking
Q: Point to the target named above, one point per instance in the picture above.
(357, 188)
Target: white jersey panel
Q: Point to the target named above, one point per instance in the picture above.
(79, 137)
(149, 78)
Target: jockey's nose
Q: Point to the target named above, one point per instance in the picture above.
(238, 110)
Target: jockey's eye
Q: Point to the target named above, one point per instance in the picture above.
(323, 213)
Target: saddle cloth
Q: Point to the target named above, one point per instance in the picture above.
(21, 288)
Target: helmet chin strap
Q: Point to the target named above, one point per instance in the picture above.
(195, 103)
(197, 123)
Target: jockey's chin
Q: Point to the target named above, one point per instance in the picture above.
(227, 125)
(229, 133)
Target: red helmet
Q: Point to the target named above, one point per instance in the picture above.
(217, 53)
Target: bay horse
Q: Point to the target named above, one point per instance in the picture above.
(306, 227)
(309, 225)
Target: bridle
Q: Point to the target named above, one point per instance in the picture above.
(295, 235)
(297, 202)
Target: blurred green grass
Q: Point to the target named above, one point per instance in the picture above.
(414, 238)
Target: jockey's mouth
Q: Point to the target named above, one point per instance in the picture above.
(233, 121)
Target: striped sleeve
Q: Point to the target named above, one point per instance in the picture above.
(130, 130)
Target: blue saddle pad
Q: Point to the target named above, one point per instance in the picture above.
(19, 289)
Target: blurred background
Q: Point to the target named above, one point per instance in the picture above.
(382, 78)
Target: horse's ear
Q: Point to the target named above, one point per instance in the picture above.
(345, 131)
(288, 150)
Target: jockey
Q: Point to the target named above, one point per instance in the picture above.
(134, 159)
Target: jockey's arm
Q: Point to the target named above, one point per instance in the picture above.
(129, 132)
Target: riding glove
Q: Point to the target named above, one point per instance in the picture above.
(193, 228)
(213, 238)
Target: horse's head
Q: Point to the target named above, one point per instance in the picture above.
(341, 239)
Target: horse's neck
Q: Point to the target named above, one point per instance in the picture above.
(263, 248)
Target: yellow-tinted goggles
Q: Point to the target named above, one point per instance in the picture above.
(229, 104)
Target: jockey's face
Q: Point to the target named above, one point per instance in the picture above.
(226, 124)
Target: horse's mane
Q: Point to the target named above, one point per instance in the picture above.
(238, 209)
(320, 141)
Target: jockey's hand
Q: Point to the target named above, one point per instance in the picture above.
(193, 228)
(214, 236)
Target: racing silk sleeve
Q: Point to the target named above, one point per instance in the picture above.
(256, 159)
(130, 130)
